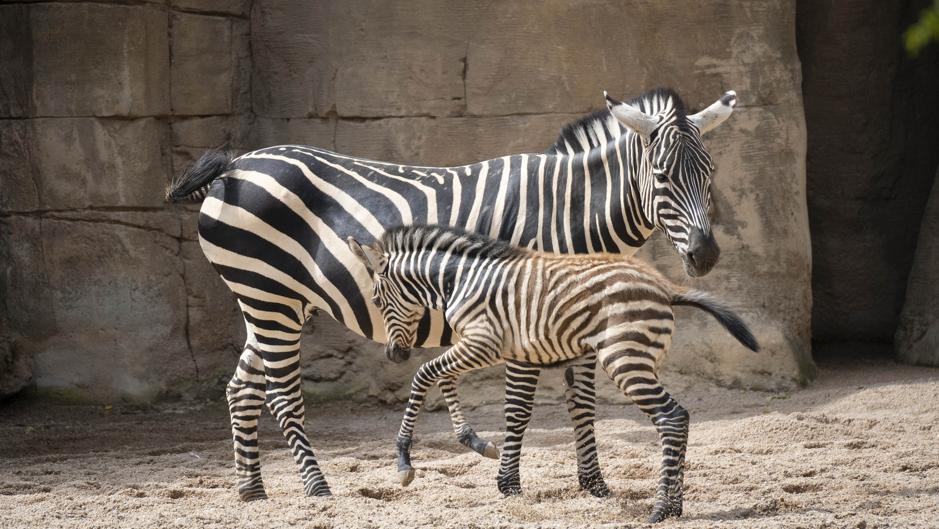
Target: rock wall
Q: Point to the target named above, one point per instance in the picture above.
(101, 286)
(106, 288)
(917, 339)
(873, 119)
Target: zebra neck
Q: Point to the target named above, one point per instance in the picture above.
(613, 215)
(446, 279)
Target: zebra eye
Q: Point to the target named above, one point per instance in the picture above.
(661, 177)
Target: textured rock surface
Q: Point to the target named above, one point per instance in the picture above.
(873, 118)
(917, 340)
(202, 65)
(120, 71)
(106, 288)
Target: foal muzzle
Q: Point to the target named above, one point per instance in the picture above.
(396, 353)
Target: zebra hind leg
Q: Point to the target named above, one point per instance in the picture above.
(284, 399)
(464, 432)
(245, 395)
(521, 381)
(638, 381)
(581, 405)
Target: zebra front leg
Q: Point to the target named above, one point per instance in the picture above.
(459, 359)
(464, 432)
(632, 373)
(581, 405)
(245, 395)
(521, 381)
(285, 400)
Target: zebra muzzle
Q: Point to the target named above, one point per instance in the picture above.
(396, 353)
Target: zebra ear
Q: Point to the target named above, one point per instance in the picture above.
(372, 256)
(631, 117)
(714, 115)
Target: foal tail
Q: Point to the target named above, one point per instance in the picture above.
(726, 317)
(195, 181)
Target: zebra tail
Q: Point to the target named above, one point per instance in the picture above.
(726, 317)
(194, 183)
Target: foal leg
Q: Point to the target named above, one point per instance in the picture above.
(245, 394)
(582, 406)
(464, 432)
(521, 381)
(459, 359)
(632, 369)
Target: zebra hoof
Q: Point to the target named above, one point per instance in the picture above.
(253, 496)
(406, 476)
(665, 510)
(510, 487)
(594, 485)
(491, 451)
(321, 493)
(252, 492)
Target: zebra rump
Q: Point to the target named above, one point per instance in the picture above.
(724, 316)
(195, 181)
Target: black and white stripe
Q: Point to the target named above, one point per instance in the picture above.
(274, 224)
(532, 310)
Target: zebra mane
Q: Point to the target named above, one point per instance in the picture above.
(586, 133)
(456, 240)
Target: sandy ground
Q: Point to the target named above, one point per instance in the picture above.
(859, 448)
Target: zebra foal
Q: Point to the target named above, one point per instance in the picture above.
(532, 310)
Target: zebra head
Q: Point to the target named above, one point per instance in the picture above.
(400, 311)
(675, 169)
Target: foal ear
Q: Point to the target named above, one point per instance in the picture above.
(631, 117)
(372, 256)
(712, 116)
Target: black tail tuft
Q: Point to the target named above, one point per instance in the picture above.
(722, 314)
(195, 181)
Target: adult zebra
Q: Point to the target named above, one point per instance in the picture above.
(274, 223)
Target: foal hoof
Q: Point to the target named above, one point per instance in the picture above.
(406, 476)
(595, 486)
(663, 511)
(491, 451)
(510, 488)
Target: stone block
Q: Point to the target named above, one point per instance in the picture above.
(18, 190)
(16, 61)
(227, 7)
(84, 162)
(201, 65)
(216, 329)
(99, 59)
(448, 141)
(209, 132)
(288, 58)
(528, 59)
(25, 301)
(917, 337)
(241, 66)
(272, 131)
(358, 59)
(118, 300)
(16, 368)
